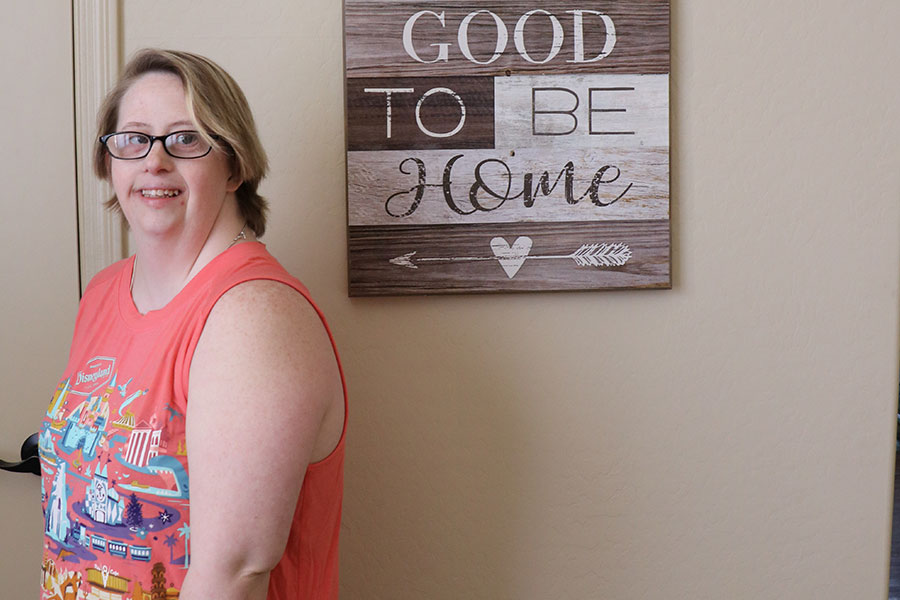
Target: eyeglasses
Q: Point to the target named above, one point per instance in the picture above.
(132, 145)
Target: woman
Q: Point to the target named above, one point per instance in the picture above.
(194, 448)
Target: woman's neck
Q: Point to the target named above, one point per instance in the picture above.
(163, 266)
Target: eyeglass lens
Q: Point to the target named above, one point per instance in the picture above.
(180, 144)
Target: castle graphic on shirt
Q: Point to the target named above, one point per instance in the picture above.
(113, 490)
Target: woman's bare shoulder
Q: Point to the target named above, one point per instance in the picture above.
(267, 329)
(269, 311)
(265, 339)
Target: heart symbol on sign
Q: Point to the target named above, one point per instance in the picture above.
(511, 259)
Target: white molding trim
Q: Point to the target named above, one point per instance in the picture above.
(101, 234)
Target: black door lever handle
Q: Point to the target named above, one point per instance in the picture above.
(30, 462)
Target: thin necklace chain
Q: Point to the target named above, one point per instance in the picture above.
(240, 236)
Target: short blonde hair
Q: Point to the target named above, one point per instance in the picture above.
(217, 107)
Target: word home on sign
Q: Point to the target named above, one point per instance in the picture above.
(481, 186)
(492, 187)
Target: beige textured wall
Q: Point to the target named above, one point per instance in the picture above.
(730, 438)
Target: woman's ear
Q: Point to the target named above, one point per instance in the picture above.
(234, 182)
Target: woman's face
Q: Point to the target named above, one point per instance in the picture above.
(173, 199)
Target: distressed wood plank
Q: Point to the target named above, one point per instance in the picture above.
(478, 268)
(641, 174)
(374, 38)
(396, 113)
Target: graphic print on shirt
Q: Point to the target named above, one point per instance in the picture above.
(113, 489)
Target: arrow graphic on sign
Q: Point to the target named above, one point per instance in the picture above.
(511, 258)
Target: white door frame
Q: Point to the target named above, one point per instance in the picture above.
(101, 233)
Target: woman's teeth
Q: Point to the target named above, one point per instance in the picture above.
(159, 193)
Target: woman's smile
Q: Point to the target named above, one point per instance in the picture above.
(159, 193)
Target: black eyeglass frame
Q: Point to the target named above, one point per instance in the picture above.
(162, 138)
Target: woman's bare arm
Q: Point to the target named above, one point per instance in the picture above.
(265, 400)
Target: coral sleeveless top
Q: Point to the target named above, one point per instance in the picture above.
(115, 486)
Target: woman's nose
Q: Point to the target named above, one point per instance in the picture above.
(157, 159)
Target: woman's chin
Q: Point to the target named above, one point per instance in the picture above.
(153, 226)
(154, 216)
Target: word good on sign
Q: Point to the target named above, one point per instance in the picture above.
(502, 36)
(507, 147)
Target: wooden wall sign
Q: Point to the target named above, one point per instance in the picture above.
(498, 146)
